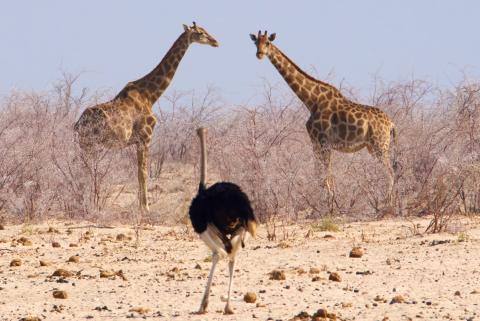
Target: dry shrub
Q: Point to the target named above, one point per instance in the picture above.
(262, 146)
(43, 172)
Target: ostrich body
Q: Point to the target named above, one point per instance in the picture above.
(222, 216)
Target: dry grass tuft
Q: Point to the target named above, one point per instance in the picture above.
(140, 310)
(112, 274)
(30, 318)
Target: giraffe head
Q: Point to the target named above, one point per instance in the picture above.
(200, 35)
(263, 43)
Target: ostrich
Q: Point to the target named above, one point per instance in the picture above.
(222, 216)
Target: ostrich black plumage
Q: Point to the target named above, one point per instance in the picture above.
(222, 216)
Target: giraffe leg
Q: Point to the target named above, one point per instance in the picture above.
(390, 176)
(329, 180)
(383, 156)
(142, 154)
(323, 156)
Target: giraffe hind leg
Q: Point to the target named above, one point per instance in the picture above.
(382, 155)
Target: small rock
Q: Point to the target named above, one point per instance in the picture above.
(102, 308)
(73, 245)
(457, 293)
(367, 272)
(16, 262)
(389, 262)
(52, 230)
(316, 278)
(302, 316)
(198, 267)
(74, 259)
(44, 263)
(55, 244)
(57, 294)
(63, 273)
(334, 276)
(250, 297)
(357, 252)
(57, 308)
(121, 237)
(24, 241)
(323, 314)
(378, 298)
(277, 275)
(2, 227)
(397, 299)
(301, 271)
(314, 270)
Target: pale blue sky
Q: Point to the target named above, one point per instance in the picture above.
(112, 42)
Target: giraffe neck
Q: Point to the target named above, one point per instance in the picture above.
(156, 82)
(310, 90)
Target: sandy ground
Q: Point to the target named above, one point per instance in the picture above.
(438, 276)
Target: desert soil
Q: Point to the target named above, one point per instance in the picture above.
(401, 275)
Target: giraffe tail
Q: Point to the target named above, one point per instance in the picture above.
(393, 133)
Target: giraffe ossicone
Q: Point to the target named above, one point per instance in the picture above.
(128, 119)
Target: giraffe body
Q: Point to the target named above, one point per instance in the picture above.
(128, 119)
(335, 122)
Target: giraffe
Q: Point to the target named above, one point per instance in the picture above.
(128, 119)
(335, 122)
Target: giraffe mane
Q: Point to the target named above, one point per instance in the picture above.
(300, 70)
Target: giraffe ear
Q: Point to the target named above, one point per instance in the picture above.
(185, 27)
(253, 37)
(272, 36)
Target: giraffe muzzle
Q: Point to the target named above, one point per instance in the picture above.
(260, 54)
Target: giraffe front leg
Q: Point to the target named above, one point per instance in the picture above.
(142, 156)
(323, 155)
